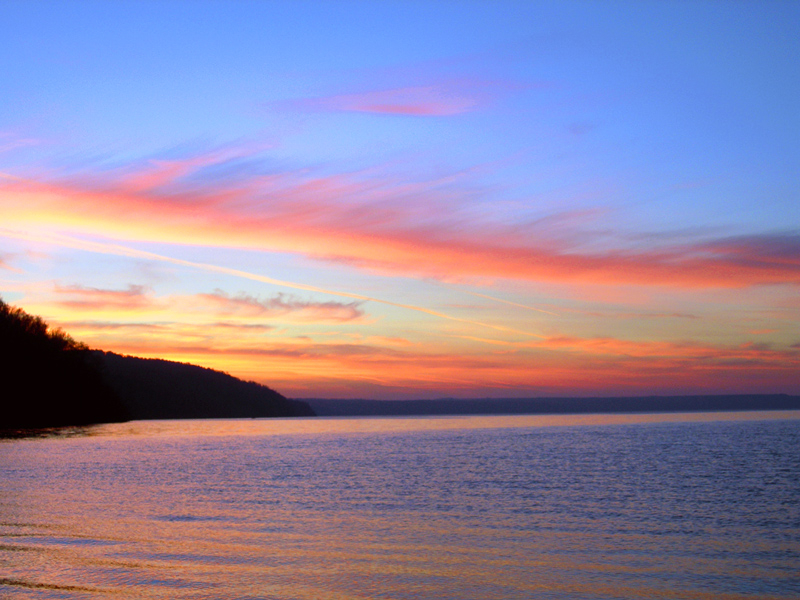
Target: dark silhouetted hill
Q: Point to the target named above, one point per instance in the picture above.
(518, 406)
(160, 389)
(49, 379)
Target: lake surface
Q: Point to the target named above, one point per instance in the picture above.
(695, 506)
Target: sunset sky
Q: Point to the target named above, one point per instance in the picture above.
(412, 199)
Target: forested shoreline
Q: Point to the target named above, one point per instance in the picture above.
(52, 380)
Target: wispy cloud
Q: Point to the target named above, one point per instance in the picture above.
(244, 327)
(661, 351)
(510, 303)
(381, 224)
(5, 265)
(10, 141)
(167, 174)
(89, 298)
(282, 305)
(392, 341)
(231, 336)
(666, 349)
(158, 332)
(627, 314)
(421, 101)
(94, 326)
(137, 300)
(557, 366)
(117, 250)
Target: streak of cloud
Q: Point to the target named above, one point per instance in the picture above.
(88, 298)
(509, 302)
(282, 304)
(423, 101)
(391, 228)
(4, 264)
(558, 366)
(117, 250)
(444, 98)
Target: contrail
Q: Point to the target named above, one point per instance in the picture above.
(541, 310)
(115, 249)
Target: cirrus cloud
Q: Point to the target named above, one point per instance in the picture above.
(281, 305)
(424, 101)
(378, 223)
(89, 298)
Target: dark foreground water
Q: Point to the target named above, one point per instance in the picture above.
(525, 507)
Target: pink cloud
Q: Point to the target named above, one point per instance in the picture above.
(378, 223)
(159, 173)
(10, 141)
(420, 101)
(4, 265)
(87, 298)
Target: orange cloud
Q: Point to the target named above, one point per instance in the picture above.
(87, 298)
(392, 341)
(381, 225)
(557, 366)
(101, 326)
(665, 352)
(670, 350)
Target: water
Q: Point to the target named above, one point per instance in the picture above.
(524, 507)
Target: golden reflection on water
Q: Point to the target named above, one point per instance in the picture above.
(557, 507)
(338, 425)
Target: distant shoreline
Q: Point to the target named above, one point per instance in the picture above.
(327, 407)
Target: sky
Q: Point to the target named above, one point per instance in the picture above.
(412, 199)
